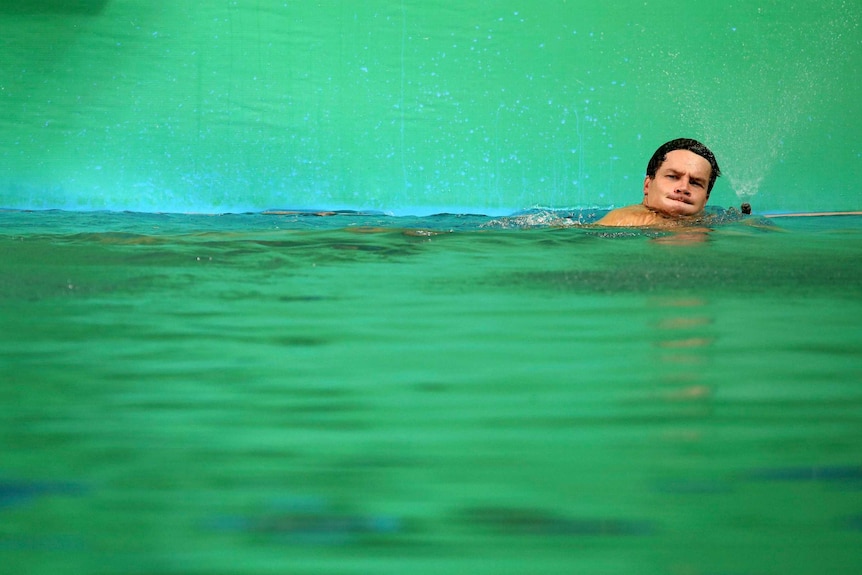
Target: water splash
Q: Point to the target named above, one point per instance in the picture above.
(746, 183)
(752, 112)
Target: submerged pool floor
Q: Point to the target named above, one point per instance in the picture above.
(287, 393)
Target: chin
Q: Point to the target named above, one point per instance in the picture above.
(682, 210)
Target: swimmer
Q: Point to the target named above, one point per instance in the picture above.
(679, 178)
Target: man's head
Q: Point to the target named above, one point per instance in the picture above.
(680, 176)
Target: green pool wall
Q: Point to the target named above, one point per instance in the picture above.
(416, 107)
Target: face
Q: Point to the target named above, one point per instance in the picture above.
(679, 187)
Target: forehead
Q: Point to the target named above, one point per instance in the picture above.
(687, 162)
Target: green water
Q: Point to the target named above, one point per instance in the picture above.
(366, 394)
(416, 107)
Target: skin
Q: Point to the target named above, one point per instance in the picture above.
(677, 193)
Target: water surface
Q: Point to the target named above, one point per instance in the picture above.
(290, 393)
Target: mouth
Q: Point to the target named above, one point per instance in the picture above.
(679, 198)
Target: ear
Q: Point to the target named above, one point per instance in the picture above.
(647, 181)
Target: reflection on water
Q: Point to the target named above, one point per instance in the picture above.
(528, 522)
(14, 493)
(309, 521)
(252, 394)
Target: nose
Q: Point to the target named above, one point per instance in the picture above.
(682, 186)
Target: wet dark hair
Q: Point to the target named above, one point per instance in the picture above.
(660, 155)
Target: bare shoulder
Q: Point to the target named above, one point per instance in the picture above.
(630, 216)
